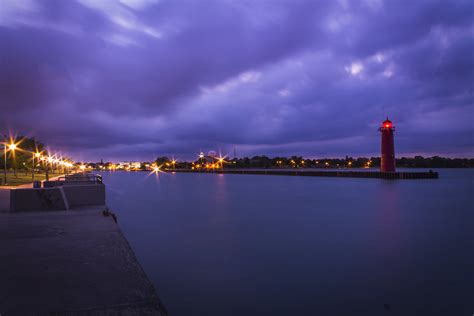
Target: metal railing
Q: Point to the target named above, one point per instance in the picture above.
(75, 179)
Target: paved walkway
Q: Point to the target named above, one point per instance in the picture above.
(70, 263)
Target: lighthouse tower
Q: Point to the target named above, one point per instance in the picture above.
(388, 147)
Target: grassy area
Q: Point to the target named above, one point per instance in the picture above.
(22, 178)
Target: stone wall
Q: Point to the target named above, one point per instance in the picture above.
(56, 198)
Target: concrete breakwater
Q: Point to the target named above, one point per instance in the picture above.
(57, 198)
(326, 173)
(62, 253)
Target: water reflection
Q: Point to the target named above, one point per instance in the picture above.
(389, 232)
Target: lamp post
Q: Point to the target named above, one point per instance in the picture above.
(46, 162)
(5, 162)
(12, 147)
(35, 155)
(221, 162)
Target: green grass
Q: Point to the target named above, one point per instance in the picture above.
(22, 178)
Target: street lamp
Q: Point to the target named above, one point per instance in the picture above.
(36, 155)
(12, 147)
(5, 165)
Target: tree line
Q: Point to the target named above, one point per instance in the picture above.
(301, 162)
(22, 157)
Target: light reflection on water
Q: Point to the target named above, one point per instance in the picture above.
(258, 245)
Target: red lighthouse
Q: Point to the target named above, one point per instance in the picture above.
(387, 163)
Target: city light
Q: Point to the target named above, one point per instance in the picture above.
(37, 159)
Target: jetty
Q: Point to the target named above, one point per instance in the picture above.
(322, 173)
(63, 253)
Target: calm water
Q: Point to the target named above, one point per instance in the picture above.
(278, 245)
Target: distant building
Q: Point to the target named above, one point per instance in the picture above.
(129, 165)
(136, 165)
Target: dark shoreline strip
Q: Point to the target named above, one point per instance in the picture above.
(313, 173)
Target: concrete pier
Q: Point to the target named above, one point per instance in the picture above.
(323, 173)
(70, 263)
(68, 257)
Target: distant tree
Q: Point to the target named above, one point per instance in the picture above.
(162, 160)
(22, 157)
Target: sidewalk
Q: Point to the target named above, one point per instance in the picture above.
(70, 263)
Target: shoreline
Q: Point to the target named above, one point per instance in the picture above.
(398, 175)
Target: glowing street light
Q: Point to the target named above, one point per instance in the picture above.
(221, 161)
(12, 147)
(155, 170)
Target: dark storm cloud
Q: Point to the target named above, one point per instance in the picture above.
(137, 78)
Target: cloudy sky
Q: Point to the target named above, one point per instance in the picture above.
(133, 79)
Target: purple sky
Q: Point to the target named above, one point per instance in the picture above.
(134, 79)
